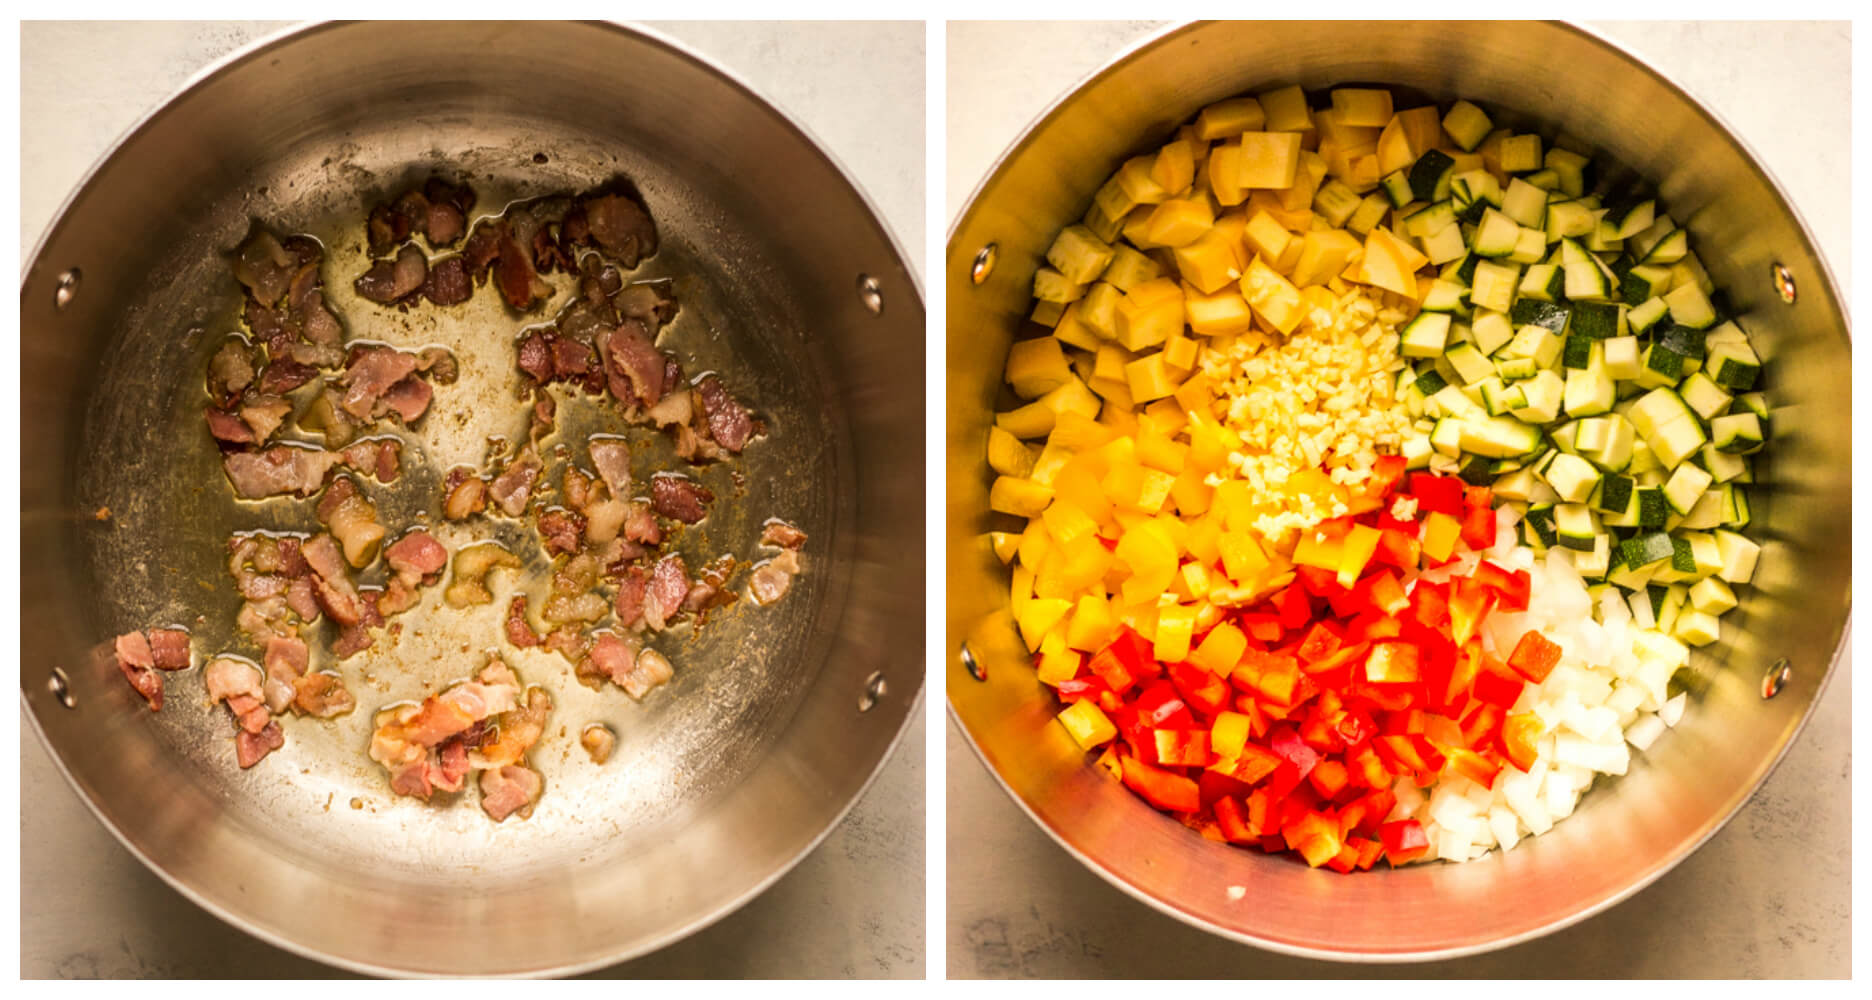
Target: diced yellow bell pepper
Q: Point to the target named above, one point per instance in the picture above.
(1440, 532)
(1020, 497)
(1242, 556)
(1123, 482)
(1052, 459)
(1067, 523)
(1355, 550)
(1036, 544)
(1087, 725)
(1179, 222)
(1115, 391)
(1195, 578)
(1057, 666)
(1318, 551)
(1221, 650)
(1008, 456)
(1154, 489)
(1228, 734)
(1079, 485)
(1148, 552)
(1110, 361)
(1092, 624)
(1191, 495)
(1174, 627)
(1005, 544)
(1038, 616)
(1268, 159)
(1159, 451)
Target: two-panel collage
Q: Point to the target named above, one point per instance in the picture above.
(935, 500)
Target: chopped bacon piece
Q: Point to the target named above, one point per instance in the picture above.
(228, 427)
(226, 677)
(728, 421)
(277, 470)
(651, 670)
(562, 530)
(448, 283)
(536, 356)
(669, 584)
(621, 225)
(322, 695)
(519, 631)
(408, 399)
(611, 457)
(230, 370)
(509, 790)
(283, 375)
(251, 748)
(169, 648)
(633, 365)
(679, 497)
(371, 373)
(416, 555)
(608, 658)
(780, 534)
(598, 741)
(138, 664)
(287, 660)
(264, 414)
(388, 281)
(640, 525)
(264, 266)
(511, 489)
(770, 580)
(633, 588)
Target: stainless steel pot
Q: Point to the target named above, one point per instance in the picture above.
(1625, 834)
(778, 717)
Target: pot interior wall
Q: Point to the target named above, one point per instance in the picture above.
(720, 782)
(1630, 830)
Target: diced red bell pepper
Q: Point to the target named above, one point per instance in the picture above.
(1365, 813)
(1457, 691)
(1212, 785)
(1346, 861)
(1232, 818)
(1286, 744)
(1519, 733)
(1534, 657)
(1404, 841)
(1318, 582)
(1260, 806)
(1497, 687)
(1201, 689)
(1082, 688)
(1398, 548)
(1478, 528)
(1166, 790)
(1251, 766)
(1158, 705)
(1384, 592)
(1264, 627)
(1430, 604)
(1329, 778)
(1108, 665)
(1294, 608)
(1279, 680)
(1319, 841)
(1478, 496)
(1281, 782)
(1369, 766)
(1469, 603)
(1320, 642)
(1473, 766)
(1386, 472)
(1442, 494)
(1480, 724)
(1354, 726)
(1511, 587)
(1182, 747)
(1442, 730)
(1369, 851)
(1392, 663)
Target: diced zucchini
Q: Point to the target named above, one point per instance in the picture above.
(1675, 441)
(1425, 335)
(1567, 219)
(1572, 169)
(1540, 313)
(1471, 365)
(1595, 320)
(1535, 342)
(1737, 433)
(1622, 358)
(1646, 314)
(1396, 186)
(1733, 366)
(1653, 509)
(1754, 402)
(1590, 390)
(1496, 235)
(1695, 628)
(1431, 382)
(1490, 331)
(1738, 556)
(1515, 485)
(1430, 219)
(1686, 484)
(1633, 218)
(1429, 176)
(1416, 450)
(1525, 204)
(1493, 286)
(1669, 249)
(1593, 564)
(1704, 396)
(1588, 279)
(1572, 477)
(1734, 505)
(1712, 596)
(1542, 283)
(1545, 392)
(1705, 514)
(1643, 282)
(1447, 439)
(1722, 466)
(1616, 496)
(1498, 437)
(1467, 125)
(1690, 307)
(1576, 526)
(1616, 454)
(1444, 297)
(1520, 153)
(1370, 212)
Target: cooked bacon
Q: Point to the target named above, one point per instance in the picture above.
(633, 587)
(679, 497)
(473, 563)
(169, 648)
(249, 713)
(770, 580)
(572, 359)
(604, 519)
(138, 664)
(352, 519)
(264, 414)
(611, 457)
(511, 489)
(520, 284)
(519, 631)
(561, 530)
(669, 584)
(694, 448)
(370, 374)
(620, 225)
(598, 741)
(447, 283)
(464, 494)
(640, 525)
(519, 729)
(283, 375)
(332, 585)
(230, 370)
(226, 677)
(277, 470)
(566, 642)
(251, 748)
(633, 365)
(416, 555)
(263, 265)
(379, 457)
(321, 329)
(322, 695)
(265, 619)
(287, 660)
(609, 657)
(651, 670)
(647, 300)
(302, 598)
(675, 410)
(228, 427)
(536, 355)
(782, 535)
(710, 589)
(388, 281)
(728, 421)
(408, 399)
(509, 790)
(482, 249)
(444, 224)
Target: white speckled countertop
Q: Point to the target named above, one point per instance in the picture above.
(854, 907)
(1768, 897)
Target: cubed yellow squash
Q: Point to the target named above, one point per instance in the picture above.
(1150, 377)
(1034, 420)
(1286, 110)
(1150, 313)
(1222, 313)
(1179, 222)
(1211, 261)
(1368, 107)
(1274, 298)
(1020, 497)
(1264, 235)
(1079, 254)
(1180, 354)
(1072, 396)
(1175, 166)
(1072, 330)
(1139, 187)
(1005, 545)
(1098, 312)
(1036, 367)
(1268, 159)
(1008, 456)
(1307, 179)
(1130, 268)
(1385, 266)
(1223, 170)
(1075, 432)
(1161, 452)
(1226, 119)
(1324, 253)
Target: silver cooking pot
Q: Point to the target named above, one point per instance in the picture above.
(777, 718)
(1753, 692)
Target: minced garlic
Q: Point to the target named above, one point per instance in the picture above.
(1323, 398)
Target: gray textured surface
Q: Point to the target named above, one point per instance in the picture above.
(1769, 896)
(854, 907)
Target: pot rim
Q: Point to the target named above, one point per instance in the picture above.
(1020, 145)
(275, 936)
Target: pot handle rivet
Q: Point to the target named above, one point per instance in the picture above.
(871, 293)
(1783, 282)
(984, 264)
(60, 686)
(874, 691)
(972, 665)
(1777, 677)
(67, 288)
